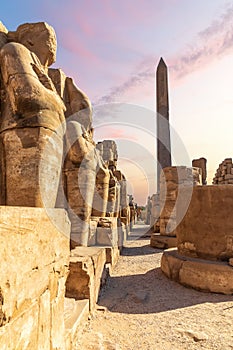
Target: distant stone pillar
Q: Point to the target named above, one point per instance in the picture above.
(201, 163)
(163, 127)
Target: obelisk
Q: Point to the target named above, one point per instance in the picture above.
(163, 127)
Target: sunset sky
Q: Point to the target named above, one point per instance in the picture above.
(111, 49)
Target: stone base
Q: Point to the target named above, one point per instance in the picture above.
(162, 242)
(34, 250)
(112, 255)
(76, 314)
(107, 232)
(86, 267)
(204, 275)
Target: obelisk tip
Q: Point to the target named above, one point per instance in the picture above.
(161, 62)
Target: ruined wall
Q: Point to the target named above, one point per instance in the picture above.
(224, 173)
(34, 266)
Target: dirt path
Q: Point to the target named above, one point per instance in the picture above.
(141, 309)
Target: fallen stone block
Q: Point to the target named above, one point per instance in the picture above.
(204, 275)
(86, 268)
(162, 242)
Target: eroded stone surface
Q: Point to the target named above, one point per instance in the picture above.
(86, 268)
(41, 268)
(209, 276)
(204, 231)
(32, 114)
(224, 173)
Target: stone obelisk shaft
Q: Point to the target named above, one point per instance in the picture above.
(163, 127)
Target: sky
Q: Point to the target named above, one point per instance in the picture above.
(112, 47)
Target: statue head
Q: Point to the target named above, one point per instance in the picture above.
(39, 38)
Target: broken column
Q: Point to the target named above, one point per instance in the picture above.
(201, 164)
(203, 258)
(171, 181)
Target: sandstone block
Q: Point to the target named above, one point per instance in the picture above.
(27, 233)
(107, 237)
(22, 331)
(28, 167)
(44, 321)
(204, 231)
(75, 315)
(86, 268)
(208, 276)
(162, 242)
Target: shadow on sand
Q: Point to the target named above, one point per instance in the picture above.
(151, 292)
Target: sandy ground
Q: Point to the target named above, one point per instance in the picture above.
(141, 309)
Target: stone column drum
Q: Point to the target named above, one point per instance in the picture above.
(171, 181)
(204, 255)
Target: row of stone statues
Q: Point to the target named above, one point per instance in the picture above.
(48, 156)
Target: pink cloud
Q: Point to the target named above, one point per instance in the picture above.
(108, 132)
(211, 44)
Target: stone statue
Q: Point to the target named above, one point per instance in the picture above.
(32, 118)
(85, 177)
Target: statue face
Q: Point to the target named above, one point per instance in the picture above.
(39, 38)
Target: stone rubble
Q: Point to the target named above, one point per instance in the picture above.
(224, 173)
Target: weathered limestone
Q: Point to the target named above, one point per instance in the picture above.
(163, 127)
(76, 314)
(32, 118)
(171, 181)
(204, 231)
(85, 272)
(122, 210)
(224, 173)
(204, 240)
(108, 151)
(83, 171)
(118, 205)
(107, 232)
(201, 164)
(100, 199)
(32, 277)
(80, 160)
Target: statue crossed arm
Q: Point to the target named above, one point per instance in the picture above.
(32, 121)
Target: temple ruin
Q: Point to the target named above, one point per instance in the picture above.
(65, 209)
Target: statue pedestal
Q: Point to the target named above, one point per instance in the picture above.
(34, 249)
